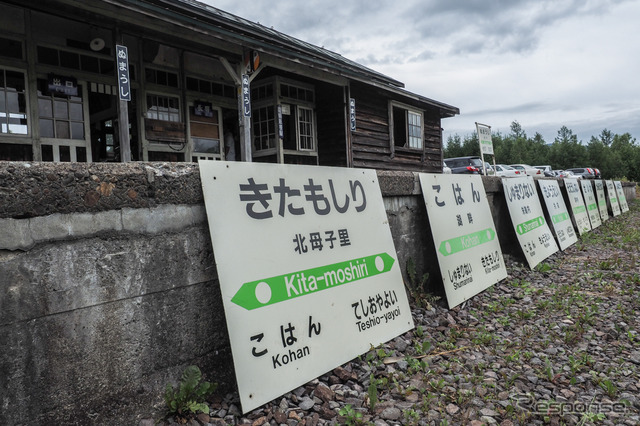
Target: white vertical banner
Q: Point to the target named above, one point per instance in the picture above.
(578, 210)
(590, 203)
(464, 234)
(602, 200)
(622, 200)
(307, 268)
(528, 220)
(613, 198)
(557, 209)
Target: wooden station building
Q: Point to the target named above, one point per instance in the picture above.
(165, 80)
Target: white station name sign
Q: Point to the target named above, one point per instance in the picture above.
(590, 203)
(307, 269)
(528, 220)
(602, 200)
(557, 209)
(464, 234)
(576, 203)
(622, 200)
(613, 198)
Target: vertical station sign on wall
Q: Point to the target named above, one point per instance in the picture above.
(590, 203)
(464, 234)
(307, 269)
(622, 200)
(557, 209)
(613, 198)
(527, 217)
(602, 200)
(578, 210)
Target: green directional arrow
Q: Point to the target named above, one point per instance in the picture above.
(268, 291)
(530, 225)
(458, 244)
(561, 217)
(579, 209)
(593, 207)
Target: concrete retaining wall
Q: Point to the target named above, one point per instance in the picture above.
(108, 286)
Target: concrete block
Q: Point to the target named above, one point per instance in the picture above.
(15, 234)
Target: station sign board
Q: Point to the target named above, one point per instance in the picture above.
(622, 200)
(576, 203)
(590, 203)
(484, 137)
(558, 214)
(528, 220)
(613, 198)
(307, 270)
(464, 234)
(602, 200)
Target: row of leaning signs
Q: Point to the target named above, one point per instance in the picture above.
(309, 273)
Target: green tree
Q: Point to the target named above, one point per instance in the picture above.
(566, 151)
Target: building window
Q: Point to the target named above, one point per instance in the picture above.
(13, 103)
(161, 77)
(305, 129)
(407, 127)
(11, 48)
(76, 61)
(264, 128)
(163, 108)
(60, 117)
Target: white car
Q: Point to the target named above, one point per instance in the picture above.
(527, 169)
(504, 170)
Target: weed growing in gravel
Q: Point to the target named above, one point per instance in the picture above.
(351, 416)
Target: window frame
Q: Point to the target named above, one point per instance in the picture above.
(407, 109)
(27, 113)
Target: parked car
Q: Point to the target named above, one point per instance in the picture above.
(597, 173)
(543, 168)
(559, 173)
(570, 174)
(584, 172)
(446, 170)
(467, 165)
(527, 169)
(504, 170)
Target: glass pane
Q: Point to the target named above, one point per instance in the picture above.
(77, 130)
(81, 154)
(47, 152)
(15, 81)
(69, 60)
(65, 154)
(75, 111)
(45, 107)
(89, 63)
(107, 67)
(161, 78)
(47, 56)
(206, 145)
(172, 79)
(12, 102)
(61, 109)
(62, 130)
(2, 100)
(10, 48)
(46, 129)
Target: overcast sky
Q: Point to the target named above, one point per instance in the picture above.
(544, 63)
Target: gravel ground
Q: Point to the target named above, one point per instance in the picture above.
(557, 345)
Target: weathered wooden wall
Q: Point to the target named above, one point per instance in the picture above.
(371, 142)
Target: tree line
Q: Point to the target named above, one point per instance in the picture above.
(616, 156)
